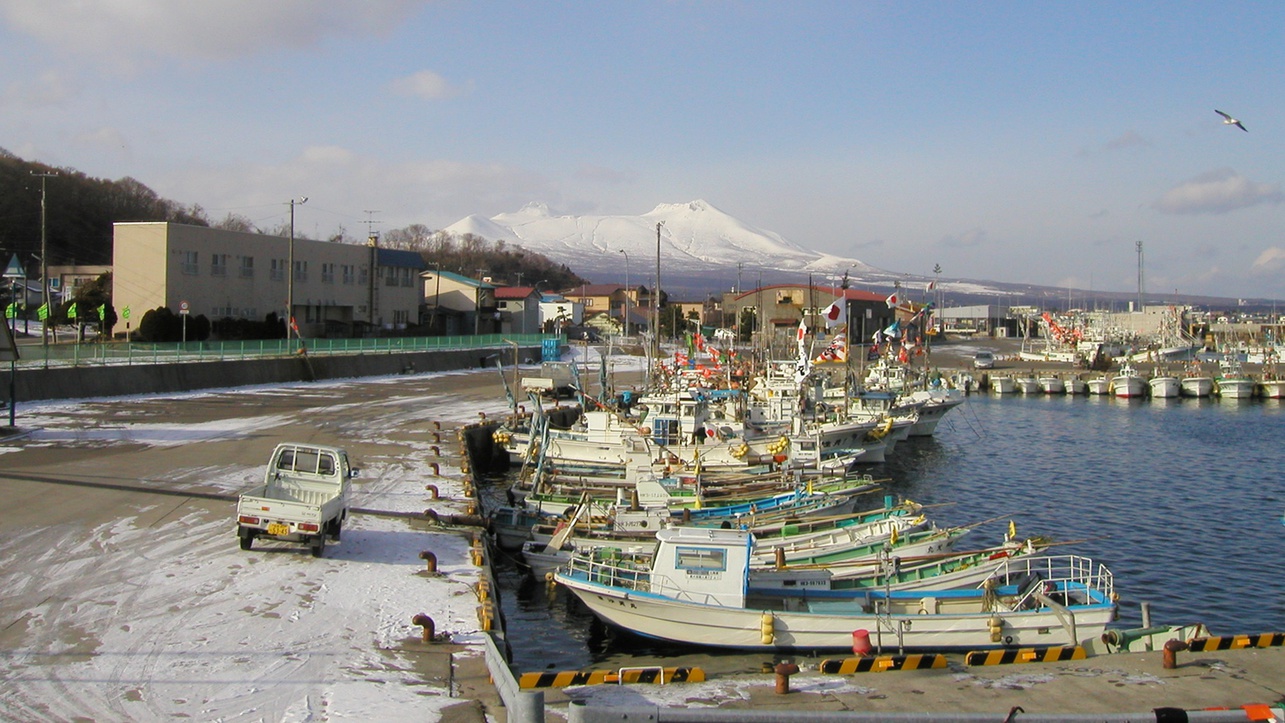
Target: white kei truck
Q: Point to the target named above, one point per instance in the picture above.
(303, 498)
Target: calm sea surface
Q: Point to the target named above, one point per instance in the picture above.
(1183, 499)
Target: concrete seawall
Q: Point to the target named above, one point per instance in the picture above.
(121, 380)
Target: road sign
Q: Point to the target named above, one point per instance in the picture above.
(14, 270)
(183, 307)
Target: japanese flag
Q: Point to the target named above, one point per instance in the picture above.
(836, 313)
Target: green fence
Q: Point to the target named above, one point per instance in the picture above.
(72, 354)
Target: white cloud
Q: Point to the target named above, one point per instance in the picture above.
(220, 30)
(1217, 192)
(1269, 263)
(424, 84)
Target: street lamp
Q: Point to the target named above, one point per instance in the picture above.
(626, 319)
(655, 330)
(290, 271)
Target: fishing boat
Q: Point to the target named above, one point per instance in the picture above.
(1051, 384)
(695, 591)
(1027, 385)
(1164, 386)
(1128, 383)
(1195, 383)
(1099, 385)
(1003, 385)
(1232, 381)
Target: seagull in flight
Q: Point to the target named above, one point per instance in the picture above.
(1228, 120)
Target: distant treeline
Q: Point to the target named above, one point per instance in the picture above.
(80, 211)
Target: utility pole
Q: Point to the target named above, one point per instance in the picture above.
(290, 325)
(44, 261)
(655, 332)
(1139, 277)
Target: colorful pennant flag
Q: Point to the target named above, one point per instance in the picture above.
(125, 313)
(891, 301)
(72, 311)
(43, 312)
(102, 312)
(11, 310)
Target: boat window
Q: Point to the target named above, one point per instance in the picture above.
(700, 558)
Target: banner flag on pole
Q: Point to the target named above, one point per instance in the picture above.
(11, 310)
(72, 311)
(43, 312)
(102, 312)
(125, 312)
(891, 301)
(836, 313)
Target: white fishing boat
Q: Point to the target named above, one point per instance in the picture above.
(1051, 384)
(1128, 383)
(1076, 385)
(1195, 382)
(1165, 386)
(1003, 385)
(1027, 385)
(695, 591)
(1232, 381)
(1098, 385)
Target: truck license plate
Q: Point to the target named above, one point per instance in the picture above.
(275, 528)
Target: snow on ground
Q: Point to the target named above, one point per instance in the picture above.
(181, 623)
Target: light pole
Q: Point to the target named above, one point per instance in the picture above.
(655, 331)
(44, 264)
(290, 271)
(626, 319)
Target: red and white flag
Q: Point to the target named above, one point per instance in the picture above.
(891, 301)
(836, 313)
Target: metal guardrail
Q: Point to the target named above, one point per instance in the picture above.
(135, 352)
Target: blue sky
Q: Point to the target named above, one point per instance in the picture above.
(1012, 141)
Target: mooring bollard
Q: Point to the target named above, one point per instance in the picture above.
(437, 425)
(783, 672)
(437, 437)
(1172, 648)
(437, 451)
(430, 560)
(437, 470)
(431, 514)
(427, 624)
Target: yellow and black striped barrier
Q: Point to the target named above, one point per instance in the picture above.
(1025, 655)
(880, 663)
(599, 677)
(1236, 642)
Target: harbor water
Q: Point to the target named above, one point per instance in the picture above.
(1183, 499)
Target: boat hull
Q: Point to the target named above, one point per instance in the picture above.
(1236, 388)
(717, 626)
(1165, 387)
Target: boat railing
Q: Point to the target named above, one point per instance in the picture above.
(623, 572)
(1072, 576)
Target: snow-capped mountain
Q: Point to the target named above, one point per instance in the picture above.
(697, 240)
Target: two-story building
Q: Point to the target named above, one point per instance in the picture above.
(456, 305)
(335, 289)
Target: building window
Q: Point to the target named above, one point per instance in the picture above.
(300, 270)
(218, 264)
(348, 273)
(247, 267)
(278, 270)
(363, 275)
(407, 280)
(190, 263)
(327, 273)
(390, 276)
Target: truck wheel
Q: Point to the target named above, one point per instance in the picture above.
(336, 528)
(318, 545)
(247, 539)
